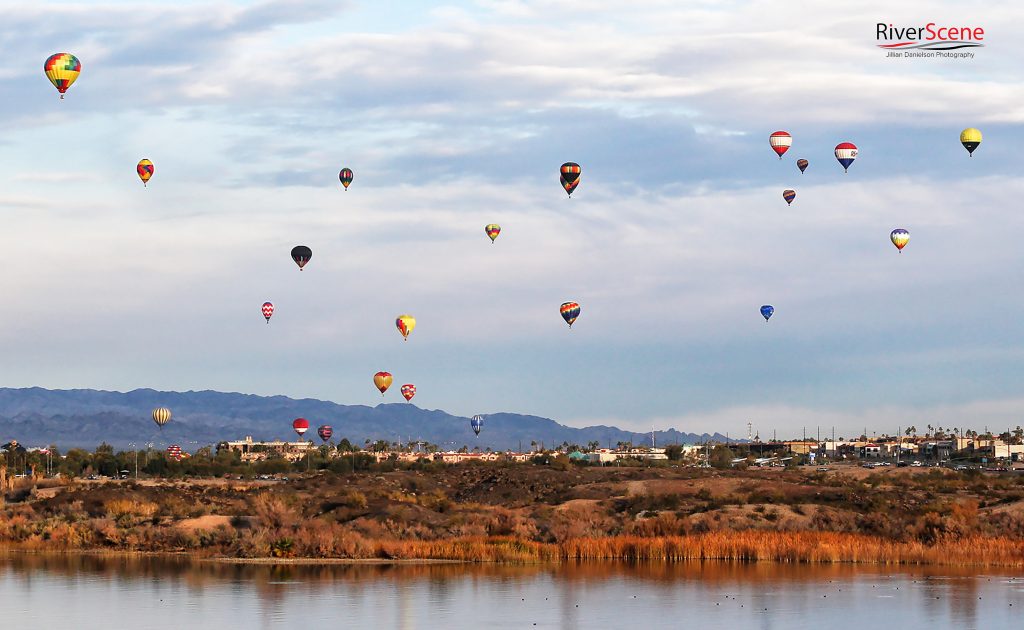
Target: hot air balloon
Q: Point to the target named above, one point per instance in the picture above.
(301, 255)
(145, 170)
(789, 196)
(268, 310)
(570, 311)
(346, 177)
(570, 176)
(174, 452)
(780, 141)
(325, 432)
(405, 324)
(899, 238)
(477, 423)
(408, 390)
(766, 311)
(970, 138)
(846, 153)
(383, 381)
(300, 425)
(492, 230)
(62, 69)
(802, 164)
(161, 416)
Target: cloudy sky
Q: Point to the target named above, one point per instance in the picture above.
(459, 115)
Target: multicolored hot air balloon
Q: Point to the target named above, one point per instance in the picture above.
(570, 176)
(300, 425)
(325, 432)
(382, 380)
(161, 416)
(846, 153)
(408, 390)
(405, 325)
(970, 138)
(570, 311)
(268, 310)
(346, 177)
(780, 141)
(174, 452)
(492, 230)
(789, 196)
(301, 255)
(766, 311)
(802, 165)
(145, 170)
(477, 423)
(899, 238)
(62, 69)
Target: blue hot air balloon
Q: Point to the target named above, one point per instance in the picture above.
(766, 311)
(477, 423)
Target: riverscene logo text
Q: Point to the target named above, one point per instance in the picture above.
(929, 41)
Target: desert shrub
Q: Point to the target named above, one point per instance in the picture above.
(130, 512)
(272, 511)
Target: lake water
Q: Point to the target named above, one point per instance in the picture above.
(78, 591)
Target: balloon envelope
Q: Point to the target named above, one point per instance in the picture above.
(382, 380)
(161, 416)
(477, 423)
(408, 390)
(405, 325)
(570, 176)
(62, 69)
(846, 153)
(346, 177)
(802, 165)
(174, 452)
(570, 311)
(780, 142)
(300, 425)
(145, 170)
(492, 230)
(325, 432)
(268, 310)
(970, 138)
(789, 196)
(766, 311)
(301, 255)
(899, 238)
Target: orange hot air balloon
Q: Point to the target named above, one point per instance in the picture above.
(405, 325)
(383, 381)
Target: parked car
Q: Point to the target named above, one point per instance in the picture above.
(916, 464)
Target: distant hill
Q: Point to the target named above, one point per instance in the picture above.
(87, 417)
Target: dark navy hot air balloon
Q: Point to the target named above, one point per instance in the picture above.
(477, 423)
(325, 432)
(766, 311)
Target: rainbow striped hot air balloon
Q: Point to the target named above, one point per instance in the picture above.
(346, 177)
(846, 153)
(570, 311)
(780, 142)
(802, 165)
(62, 69)
(899, 238)
(492, 230)
(408, 391)
(145, 170)
(970, 138)
(570, 176)
(789, 196)
(405, 325)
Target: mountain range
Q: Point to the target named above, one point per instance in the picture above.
(85, 417)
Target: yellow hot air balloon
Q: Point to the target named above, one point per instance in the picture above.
(405, 324)
(145, 170)
(161, 416)
(970, 138)
(382, 380)
(62, 69)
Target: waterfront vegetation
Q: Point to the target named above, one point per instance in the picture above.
(535, 512)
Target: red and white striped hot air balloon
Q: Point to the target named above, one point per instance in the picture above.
(301, 425)
(268, 310)
(780, 141)
(174, 452)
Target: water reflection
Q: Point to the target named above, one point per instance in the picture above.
(158, 592)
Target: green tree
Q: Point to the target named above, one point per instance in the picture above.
(674, 452)
(721, 457)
